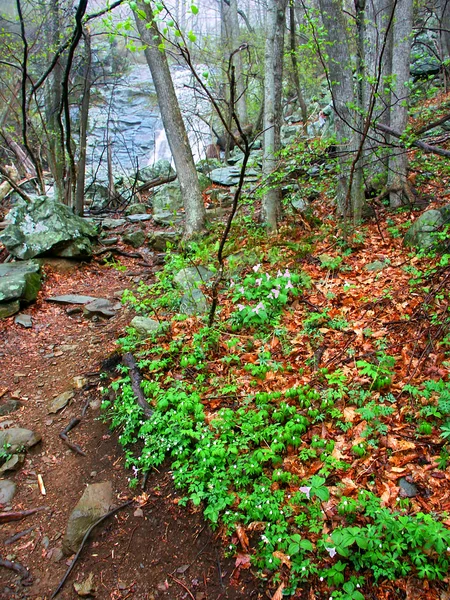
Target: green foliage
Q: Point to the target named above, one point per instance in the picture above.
(260, 297)
(380, 373)
(391, 544)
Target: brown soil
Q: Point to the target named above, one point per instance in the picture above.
(167, 551)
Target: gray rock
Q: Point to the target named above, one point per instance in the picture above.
(7, 491)
(46, 226)
(144, 325)
(111, 241)
(136, 209)
(376, 265)
(218, 212)
(167, 218)
(93, 504)
(407, 489)
(135, 239)
(9, 308)
(17, 438)
(289, 132)
(13, 464)
(191, 277)
(139, 218)
(167, 199)
(24, 320)
(161, 168)
(230, 175)
(160, 239)
(193, 303)
(71, 299)
(300, 204)
(100, 307)
(113, 223)
(9, 406)
(60, 401)
(421, 234)
(19, 281)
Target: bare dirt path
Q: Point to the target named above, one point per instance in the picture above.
(161, 551)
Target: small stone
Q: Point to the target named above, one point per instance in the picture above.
(75, 310)
(135, 239)
(377, 265)
(24, 320)
(9, 308)
(71, 299)
(79, 381)
(85, 588)
(57, 555)
(407, 489)
(45, 542)
(93, 473)
(7, 491)
(144, 325)
(138, 512)
(99, 307)
(110, 241)
(8, 407)
(60, 402)
(138, 218)
(13, 464)
(18, 437)
(112, 223)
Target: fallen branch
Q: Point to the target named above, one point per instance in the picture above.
(116, 250)
(180, 583)
(422, 145)
(26, 577)
(155, 182)
(7, 517)
(86, 535)
(63, 435)
(136, 379)
(17, 536)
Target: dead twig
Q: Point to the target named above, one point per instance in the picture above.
(63, 435)
(182, 585)
(136, 379)
(86, 535)
(7, 517)
(18, 536)
(26, 577)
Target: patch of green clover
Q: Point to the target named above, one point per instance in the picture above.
(260, 298)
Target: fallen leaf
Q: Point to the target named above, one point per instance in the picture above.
(242, 537)
(283, 558)
(279, 593)
(399, 445)
(242, 561)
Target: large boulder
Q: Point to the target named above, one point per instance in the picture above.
(162, 168)
(19, 282)
(16, 438)
(45, 226)
(96, 501)
(422, 233)
(167, 199)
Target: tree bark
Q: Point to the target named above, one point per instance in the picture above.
(273, 73)
(401, 51)
(84, 119)
(350, 192)
(172, 120)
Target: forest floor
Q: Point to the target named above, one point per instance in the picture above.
(160, 553)
(350, 320)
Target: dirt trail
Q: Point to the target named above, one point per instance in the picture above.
(162, 551)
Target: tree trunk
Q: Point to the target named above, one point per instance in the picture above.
(295, 77)
(172, 121)
(273, 73)
(84, 119)
(56, 153)
(401, 51)
(350, 192)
